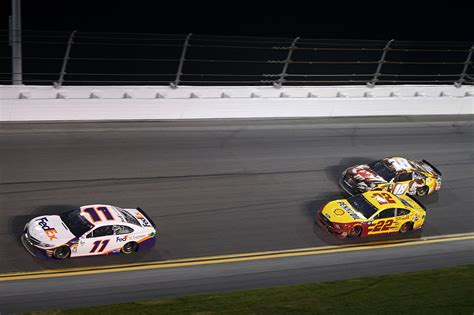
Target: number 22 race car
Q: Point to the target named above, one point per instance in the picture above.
(371, 213)
(89, 231)
(397, 175)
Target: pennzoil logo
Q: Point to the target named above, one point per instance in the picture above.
(47, 229)
(349, 210)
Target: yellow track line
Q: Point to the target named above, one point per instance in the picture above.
(232, 258)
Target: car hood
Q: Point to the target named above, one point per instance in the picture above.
(363, 173)
(341, 211)
(49, 229)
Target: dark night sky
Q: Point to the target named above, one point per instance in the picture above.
(403, 20)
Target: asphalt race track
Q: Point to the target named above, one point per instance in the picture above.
(223, 187)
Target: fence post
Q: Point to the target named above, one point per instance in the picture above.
(462, 78)
(175, 84)
(15, 42)
(377, 73)
(282, 79)
(59, 83)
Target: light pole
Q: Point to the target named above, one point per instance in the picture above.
(15, 42)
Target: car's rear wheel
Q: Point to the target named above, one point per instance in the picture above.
(406, 227)
(422, 191)
(355, 231)
(129, 248)
(62, 252)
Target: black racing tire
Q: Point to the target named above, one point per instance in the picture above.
(129, 248)
(407, 226)
(422, 191)
(62, 252)
(355, 231)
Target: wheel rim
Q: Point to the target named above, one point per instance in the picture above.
(405, 227)
(128, 248)
(355, 231)
(62, 252)
(422, 191)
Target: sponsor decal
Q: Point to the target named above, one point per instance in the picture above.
(50, 232)
(338, 212)
(123, 238)
(144, 221)
(404, 218)
(349, 210)
(400, 164)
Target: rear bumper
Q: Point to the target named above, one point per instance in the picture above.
(147, 217)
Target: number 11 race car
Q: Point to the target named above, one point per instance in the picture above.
(397, 175)
(371, 213)
(89, 231)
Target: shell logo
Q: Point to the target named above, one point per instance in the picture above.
(338, 212)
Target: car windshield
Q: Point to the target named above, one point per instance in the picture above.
(381, 169)
(362, 205)
(128, 217)
(77, 224)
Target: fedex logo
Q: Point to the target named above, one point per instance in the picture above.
(47, 229)
(123, 239)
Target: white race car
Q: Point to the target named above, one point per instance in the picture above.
(89, 231)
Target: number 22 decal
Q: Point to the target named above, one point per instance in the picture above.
(96, 245)
(383, 198)
(381, 226)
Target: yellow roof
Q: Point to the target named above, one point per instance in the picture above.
(383, 200)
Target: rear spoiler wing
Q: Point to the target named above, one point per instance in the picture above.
(434, 168)
(146, 216)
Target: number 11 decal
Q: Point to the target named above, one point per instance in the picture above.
(96, 245)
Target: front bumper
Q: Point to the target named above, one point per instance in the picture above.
(328, 226)
(33, 250)
(347, 188)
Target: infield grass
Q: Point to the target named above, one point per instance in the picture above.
(442, 291)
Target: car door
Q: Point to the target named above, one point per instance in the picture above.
(382, 222)
(123, 234)
(401, 183)
(97, 242)
(401, 216)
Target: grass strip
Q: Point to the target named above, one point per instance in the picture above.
(441, 291)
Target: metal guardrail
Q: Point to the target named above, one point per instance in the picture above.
(85, 58)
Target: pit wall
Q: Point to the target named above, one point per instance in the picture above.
(44, 103)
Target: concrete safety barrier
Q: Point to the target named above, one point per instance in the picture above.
(19, 103)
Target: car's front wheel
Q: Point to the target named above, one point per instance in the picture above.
(62, 252)
(406, 227)
(129, 248)
(422, 191)
(355, 231)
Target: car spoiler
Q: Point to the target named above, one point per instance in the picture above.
(146, 216)
(431, 165)
(418, 202)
